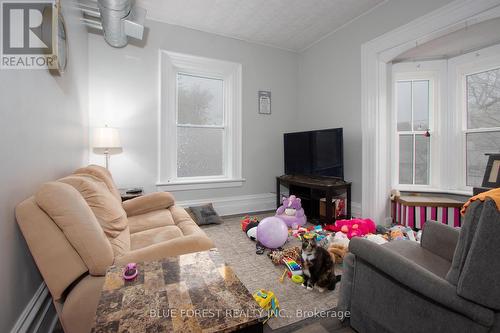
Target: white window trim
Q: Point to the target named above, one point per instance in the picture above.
(170, 65)
(375, 68)
(435, 73)
(458, 68)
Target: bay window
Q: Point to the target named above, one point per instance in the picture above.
(445, 119)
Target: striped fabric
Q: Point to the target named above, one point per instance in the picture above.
(415, 216)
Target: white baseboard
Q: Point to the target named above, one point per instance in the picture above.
(238, 204)
(248, 203)
(35, 312)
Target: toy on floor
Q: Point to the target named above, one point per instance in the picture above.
(252, 230)
(354, 227)
(247, 220)
(282, 277)
(298, 279)
(130, 272)
(277, 256)
(291, 212)
(293, 266)
(337, 252)
(400, 232)
(338, 246)
(272, 232)
(377, 239)
(268, 301)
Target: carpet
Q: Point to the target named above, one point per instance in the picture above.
(258, 272)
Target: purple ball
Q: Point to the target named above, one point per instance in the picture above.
(272, 232)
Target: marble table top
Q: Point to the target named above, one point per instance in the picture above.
(195, 292)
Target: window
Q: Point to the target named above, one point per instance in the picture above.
(482, 128)
(200, 135)
(413, 108)
(458, 101)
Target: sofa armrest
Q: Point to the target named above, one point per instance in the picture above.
(175, 247)
(148, 203)
(418, 279)
(440, 239)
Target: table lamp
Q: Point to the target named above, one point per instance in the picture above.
(106, 142)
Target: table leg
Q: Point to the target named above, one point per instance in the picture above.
(278, 193)
(349, 216)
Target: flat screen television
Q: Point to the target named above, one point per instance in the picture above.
(315, 153)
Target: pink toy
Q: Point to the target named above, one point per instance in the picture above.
(291, 212)
(354, 228)
(130, 272)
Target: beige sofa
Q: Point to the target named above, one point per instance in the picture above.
(77, 227)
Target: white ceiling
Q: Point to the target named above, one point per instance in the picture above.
(288, 24)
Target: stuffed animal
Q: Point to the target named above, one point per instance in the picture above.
(354, 228)
(377, 239)
(338, 252)
(277, 256)
(249, 226)
(291, 212)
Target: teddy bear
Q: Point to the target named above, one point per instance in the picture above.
(291, 212)
(338, 246)
(337, 252)
(354, 228)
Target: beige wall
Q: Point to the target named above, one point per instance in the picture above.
(43, 126)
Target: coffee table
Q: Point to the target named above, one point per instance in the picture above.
(196, 292)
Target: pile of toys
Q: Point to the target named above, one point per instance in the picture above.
(399, 232)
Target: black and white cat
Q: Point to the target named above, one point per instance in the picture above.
(318, 266)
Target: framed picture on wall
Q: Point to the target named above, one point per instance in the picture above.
(264, 102)
(492, 173)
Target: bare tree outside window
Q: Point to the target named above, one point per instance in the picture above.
(200, 122)
(483, 122)
(413, 108)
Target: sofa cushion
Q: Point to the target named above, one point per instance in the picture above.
(420, 256)
(54, 255)
(151, 220)
(121, 243)
(108, 211)
(73, 216)
(78, 313)
(148, 203)
(469, 226)
(478, 280)
(145, 238)
(104, 175)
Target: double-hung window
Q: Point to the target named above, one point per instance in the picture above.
(200, 122)
(446, 119)
(413, 130)
(481, 123)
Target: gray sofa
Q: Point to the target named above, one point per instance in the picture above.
(448, 283)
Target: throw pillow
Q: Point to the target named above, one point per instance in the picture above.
(205, 215)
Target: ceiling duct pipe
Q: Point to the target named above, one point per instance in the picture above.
(120, 20)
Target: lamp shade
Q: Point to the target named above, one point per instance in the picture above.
(106, 138)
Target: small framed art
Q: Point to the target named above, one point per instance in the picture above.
(492, 173)
(264, 102)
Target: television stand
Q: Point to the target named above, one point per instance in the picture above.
(310, 190)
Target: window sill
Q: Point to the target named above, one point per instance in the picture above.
(425, 189)
(199, 184)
